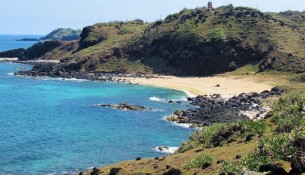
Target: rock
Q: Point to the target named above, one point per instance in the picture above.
(220, 161)
(206, 165)
(217, 85)
(274, 169)
(162, 148)
(238, 157)
(138, 158)
(249, 138)
(170, 101)
(172, 171)
(168, 167)
(189, 99)
(95, 171)
(126, 107)
(114, 171)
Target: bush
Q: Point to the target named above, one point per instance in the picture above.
(277, 146)
(231, 168)
(253, 161)
(199, 162)
(221, 133)
(287, 113)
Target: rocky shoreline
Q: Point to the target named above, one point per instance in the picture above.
(207, 110)
(46, 69)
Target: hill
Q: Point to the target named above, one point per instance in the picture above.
(191, 42)
(65, 34)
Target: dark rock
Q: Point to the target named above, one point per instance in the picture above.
(189, 99)
(126, 107)
(238, 157)
(168, 167)
(138, 158)
(206, 165)
(173, 171)
(220, 161)
(114, 171)
(95, 171)
(217, 85)
(249, 137)
(156, 158)
(170, 101)
(273, 169)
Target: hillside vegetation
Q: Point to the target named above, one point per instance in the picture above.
(191, 42)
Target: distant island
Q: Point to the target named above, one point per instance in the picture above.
(28, 39)
(60, 34)
(63, 34)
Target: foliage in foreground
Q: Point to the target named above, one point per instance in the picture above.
(219, 134)
(288, 118)
(199, 162)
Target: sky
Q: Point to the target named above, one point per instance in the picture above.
(42, 16)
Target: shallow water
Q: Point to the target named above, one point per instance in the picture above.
(52, 126)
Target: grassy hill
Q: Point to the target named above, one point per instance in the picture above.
(191, 42)
(65, 34)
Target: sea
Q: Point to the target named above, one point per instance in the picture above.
(53, 126)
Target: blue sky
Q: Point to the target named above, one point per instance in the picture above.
(42, 16)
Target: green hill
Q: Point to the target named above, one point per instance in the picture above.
(63, 34)
(191, 42)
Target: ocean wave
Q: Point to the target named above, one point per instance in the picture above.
(166, 100)
(10, 74)
(156, 99)
(166, 149)
(182, 125)
(61, 79)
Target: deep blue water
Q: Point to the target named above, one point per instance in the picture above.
(52, 126)
(8, 42)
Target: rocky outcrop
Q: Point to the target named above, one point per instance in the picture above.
(213, 109)
(15, 53)
(38, 50)
(126, 107)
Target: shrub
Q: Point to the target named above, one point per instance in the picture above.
(231, 168)
(287, 113)
(199, 162)
(252, 161)
(220, 133)
(277, 146)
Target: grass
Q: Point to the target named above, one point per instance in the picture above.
(199, 162)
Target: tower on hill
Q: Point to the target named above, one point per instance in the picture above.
(210, 5)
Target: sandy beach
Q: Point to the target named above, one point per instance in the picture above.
(193, 86)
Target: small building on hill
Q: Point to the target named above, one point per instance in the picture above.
(210, 5)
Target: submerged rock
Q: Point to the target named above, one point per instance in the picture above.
(126, 107)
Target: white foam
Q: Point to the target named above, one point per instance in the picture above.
(166, 149)
(189, 94)
(10, 74)
(182, 125)
(166, 100)
(156, 99)
(61, 79)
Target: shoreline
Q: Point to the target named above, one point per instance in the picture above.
(195, 86)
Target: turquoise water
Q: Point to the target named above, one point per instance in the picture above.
(52, 126)
(8, 42)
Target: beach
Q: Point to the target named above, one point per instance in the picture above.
(194, 86)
